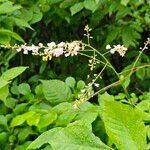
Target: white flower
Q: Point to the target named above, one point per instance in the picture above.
(18, 49)
(108, 46)
(96, 84)
(112, 51)
(51, 45)
(25, 52)
(61, 44)
(119, 48)
(58, 52)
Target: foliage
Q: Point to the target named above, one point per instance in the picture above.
(65, 103)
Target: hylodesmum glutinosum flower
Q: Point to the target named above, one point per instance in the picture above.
(52, 49)
(121, 49)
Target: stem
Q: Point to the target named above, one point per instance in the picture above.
(125, 90)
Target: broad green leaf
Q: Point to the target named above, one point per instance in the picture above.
(124, 126)
(105, 97)
(65, 118)
(4, 92)
(37, 15)
(76, 136)
(12, 73)
(80, 85)
(44, 138)
(10, 102)
(56, 91)
(24, 89)
(24, 133)
(3, 120)
(66, 3)
(34, 119)
(124, 2)
(4, 39)
(9, 33)
(47, 119)
(70, 81)
(8, 7)
(22, 23)
(140, 73)
(3, 82)
(20, 119)
(76, 8)
(90, 5)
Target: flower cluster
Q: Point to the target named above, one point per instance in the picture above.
(52, 49)
(117, 48)
(83, 96)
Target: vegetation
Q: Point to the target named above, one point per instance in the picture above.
(74, 74)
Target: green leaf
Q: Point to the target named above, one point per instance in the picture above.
(56, 91)
(37, 15)
(20, 119)
(3, 120)
(3, 82)
(76, 136)
(12, 73)
(10, 102)
(76, 8)
(65, 118)
(24, 89)
(9, 33)
(90, 5)
(124, 2)
(124, 126)
(80, 85)
(70, 81)
(140, 73)
(105, 97)
(8, 7)
(47, 119)
(4, 92)
(22, 23)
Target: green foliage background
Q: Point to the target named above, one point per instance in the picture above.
(38, 103)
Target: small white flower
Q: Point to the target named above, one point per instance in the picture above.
(108, 46)
(51, 45)
(58, 52)
(18, 49)
(112, 51)
(96, 84)
(61, 44)
(25, 52)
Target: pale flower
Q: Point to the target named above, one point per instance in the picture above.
(58, 51)
(108, 46)
(51, 45)
(61, 44)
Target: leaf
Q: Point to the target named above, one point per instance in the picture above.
(76, 8)
(3, 120)
(3, 82)
(80, 85)
(105, 97)
(8, 7)
(22, 23)
(90, 5)
(37, 15)
(20, 119)
(12, 73)
(44, 138)
(4, 92)
(124, 126)
(76, 136)
(56, 91)
(140, 73)
(24, 89)
(9, 33)
(124, 2)
(10, 102)
(70, 81)
(47, 119)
